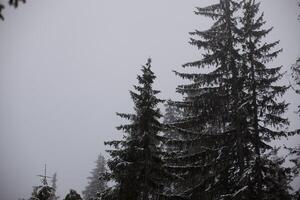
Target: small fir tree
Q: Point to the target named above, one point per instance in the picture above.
(43, 192)
(54, 184)
(96, 184)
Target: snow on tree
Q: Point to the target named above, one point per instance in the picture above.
(296, 73)
(136, 164)
(96, 184)
(294, 153)
(211, 143)
(265, 121)
(43, 191)
(296, 77)
(172, 113)
(73, 195)
(232, 112)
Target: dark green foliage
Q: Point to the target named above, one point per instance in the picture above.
(265, 110)
(1, 9)
(172, 113)
(295, 159)
(232, 112)
(44, 192)
(96, 184)
(136, 165)
(73, 195)
(296, 78)
(15, 3)
(212, 119)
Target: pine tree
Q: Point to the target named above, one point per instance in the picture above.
(96, 184)
(136, 164)
(73, 195)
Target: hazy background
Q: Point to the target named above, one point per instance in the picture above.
(67, 66)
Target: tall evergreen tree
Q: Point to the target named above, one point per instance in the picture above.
(96, 184)
(233, 111)
(136, 164)
(264, 109)
(213, 151)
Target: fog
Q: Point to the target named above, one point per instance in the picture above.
(67, 67)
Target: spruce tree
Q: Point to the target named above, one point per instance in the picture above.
(212, 151)
(43, 192)
(73, 195)
(136, 164)
(265, 110)
(96, 184)
(172, 113)
(232, 112)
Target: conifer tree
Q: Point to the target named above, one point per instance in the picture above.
(212, 119)
(96, 184)
(54, 184)
(263, 107)
(136, 164)
(73, 195)
(43, 192)
(233, 111)
(172, 113)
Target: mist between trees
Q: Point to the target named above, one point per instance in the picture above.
(214, 143)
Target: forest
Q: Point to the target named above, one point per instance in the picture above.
(217, 142)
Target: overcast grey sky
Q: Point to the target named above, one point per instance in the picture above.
(67, 66)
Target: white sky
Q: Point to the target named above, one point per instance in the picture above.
(67, 66)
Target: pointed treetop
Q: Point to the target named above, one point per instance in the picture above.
(149, 62)
(44, 177)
